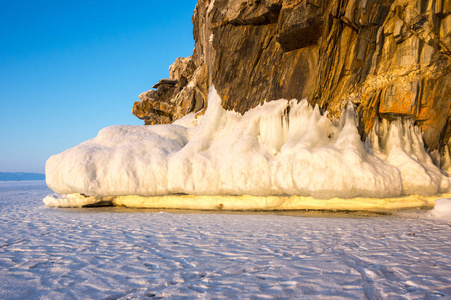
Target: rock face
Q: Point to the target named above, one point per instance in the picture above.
(389, 57)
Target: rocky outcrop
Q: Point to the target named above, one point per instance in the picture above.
(183, 93)
(389, 57)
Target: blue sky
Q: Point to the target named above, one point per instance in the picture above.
(70, 68)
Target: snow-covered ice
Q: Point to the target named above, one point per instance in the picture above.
(111, 253)
(442, 209)
(279, 148)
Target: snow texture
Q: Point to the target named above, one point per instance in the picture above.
(280, 148)
(116, 253)
(442, 209)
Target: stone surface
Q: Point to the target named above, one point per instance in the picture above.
(300, 25)
(184, 92)
(168, 81)
(389, 57)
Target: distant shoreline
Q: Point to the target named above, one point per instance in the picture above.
(21, 176)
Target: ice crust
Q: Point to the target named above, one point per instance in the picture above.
(279, 148)
(116, 253)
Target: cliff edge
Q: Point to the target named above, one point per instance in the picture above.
(391, 58)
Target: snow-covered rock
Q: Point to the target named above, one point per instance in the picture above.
(279, 148)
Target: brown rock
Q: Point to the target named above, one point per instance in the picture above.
(168, 81)
(300, 25)
(390, 57)
(182, 70)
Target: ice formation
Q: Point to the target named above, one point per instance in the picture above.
(279, 148)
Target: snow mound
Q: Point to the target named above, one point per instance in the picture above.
(279, 148)
(442, 209)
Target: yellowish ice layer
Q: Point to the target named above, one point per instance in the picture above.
(274, 203)
(243, 203)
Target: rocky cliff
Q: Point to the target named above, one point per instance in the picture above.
(391, 58)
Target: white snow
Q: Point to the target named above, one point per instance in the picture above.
(400, 143)
(117, 253)
(280, 148)
(75, 200)
(190, 120)
(442, 209)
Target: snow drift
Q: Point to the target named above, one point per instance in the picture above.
(442, 210)
(279, 148)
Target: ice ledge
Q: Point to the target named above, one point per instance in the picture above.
(279, 148)
(247, 203)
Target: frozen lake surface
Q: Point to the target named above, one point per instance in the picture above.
(110, 253)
